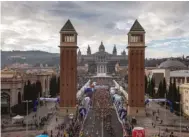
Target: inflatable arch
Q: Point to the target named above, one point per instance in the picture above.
(161, 100)
(36, 102)
(87, 90)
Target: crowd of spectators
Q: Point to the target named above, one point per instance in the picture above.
(81, 81)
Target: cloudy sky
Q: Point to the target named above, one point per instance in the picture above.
(36, 25)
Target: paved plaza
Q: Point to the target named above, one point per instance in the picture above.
(170, 121)
(14, 130)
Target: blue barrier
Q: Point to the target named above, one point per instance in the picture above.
(35, 105)
(122, 113)
(161, 100)
(82, 111)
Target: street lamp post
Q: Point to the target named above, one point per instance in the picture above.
(38, 107)
(27, 101)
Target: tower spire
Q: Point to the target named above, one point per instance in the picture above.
(114, 50)
(88, 50)
(68, 27)
(79, 52)
(136, 26)
(101, 47)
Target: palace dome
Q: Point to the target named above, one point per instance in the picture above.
(101, 47)
(172, 64)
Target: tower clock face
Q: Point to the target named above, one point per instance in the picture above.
(136, 38)
(68, 38)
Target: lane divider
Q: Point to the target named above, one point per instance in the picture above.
(121, 122)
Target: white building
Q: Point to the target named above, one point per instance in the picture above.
(12, 85)
(180, 76)
(11, 89)
(184, 90)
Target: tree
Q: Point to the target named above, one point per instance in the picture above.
(160, 93)
(33, 90)
(164, 87)
(19, 98)
(174, 94)
(149, 88)
(25, 92)
(169, 95)
(178, 99)
(29, 90)
(53, 86)
(146, 84)
(58, 85)
(152, 87)
(38, 88)
(28, 94)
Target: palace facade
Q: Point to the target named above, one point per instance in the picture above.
(102, 61)
(12, 85)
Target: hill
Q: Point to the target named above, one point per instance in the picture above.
(31, 57)
(36, 57)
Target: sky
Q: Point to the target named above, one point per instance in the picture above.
(36, 25)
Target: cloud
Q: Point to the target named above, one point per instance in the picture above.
(36, 25)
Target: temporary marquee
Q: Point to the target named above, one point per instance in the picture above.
(17, 118)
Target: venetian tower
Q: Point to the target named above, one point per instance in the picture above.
(136, 70)
(68, 68)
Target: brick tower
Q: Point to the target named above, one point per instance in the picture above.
(68, 69)
(136, 72)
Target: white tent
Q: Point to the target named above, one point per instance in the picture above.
(17, 118)
(112, 88)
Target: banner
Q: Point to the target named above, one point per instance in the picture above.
(88, 90)
(35, 105)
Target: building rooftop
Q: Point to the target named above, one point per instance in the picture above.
(179, 73)
(9, 73)
(184, 85)
(68, 27)
(137, 27)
